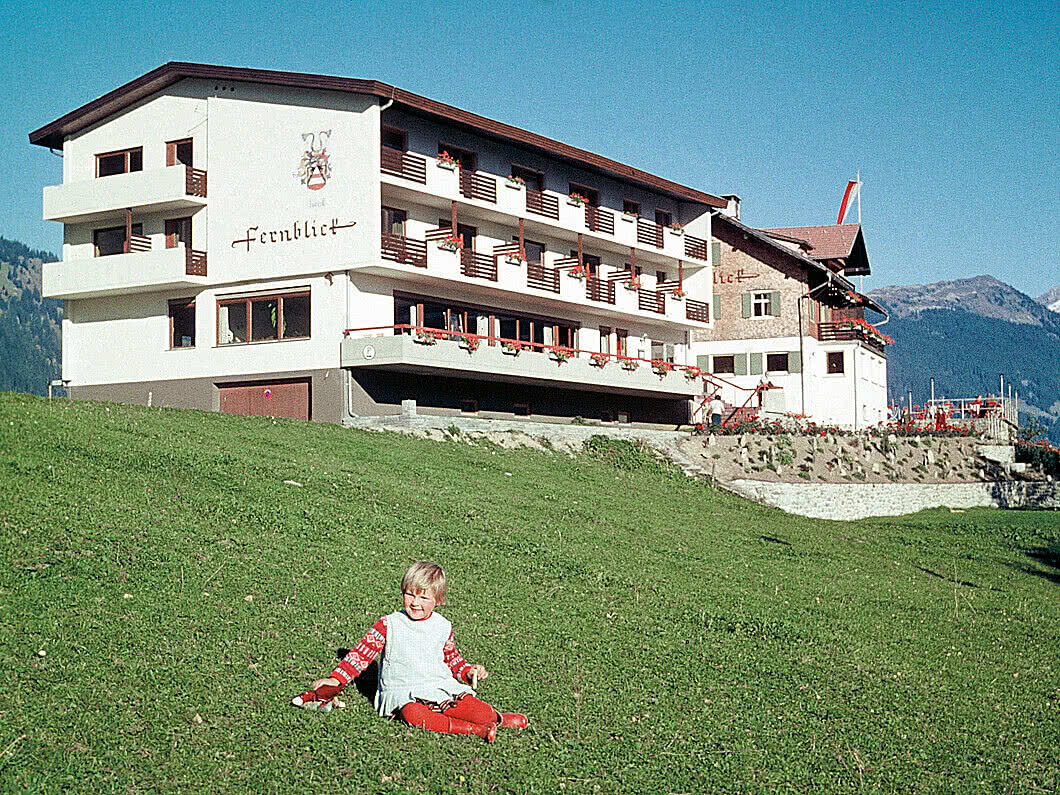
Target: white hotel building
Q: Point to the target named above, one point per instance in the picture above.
(266, 242)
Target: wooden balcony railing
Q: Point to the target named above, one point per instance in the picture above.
(697, 310)
(541, 203)
(649, 301)
(696, 247)
(137, 244)
(597, 219)
(834, 332)
(404, 250)
(194, 181)
(403, 164)
(541, 277)
(649, 233)
(479, 266)
(478, 186)
(194, 262)
(600, 290)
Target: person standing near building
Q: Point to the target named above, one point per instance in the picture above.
(716, 409)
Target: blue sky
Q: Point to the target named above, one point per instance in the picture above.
(952, 113)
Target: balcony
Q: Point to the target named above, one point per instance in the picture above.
(158, 190)
(436, 352)
(143, 269)
(836, 332)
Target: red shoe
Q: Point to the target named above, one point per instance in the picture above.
(514, 720)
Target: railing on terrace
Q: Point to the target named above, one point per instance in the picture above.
(478, 186)
(597, 219)
(138, 243)
(403, 164)
(649, 233)
(404, 250)
(194, 262)
(541, 277)
(696, 247)
(194, 181)
(597, 289)
(479, 266)
(697, 310)
(650, 301)
(836, 332)
(541, 203)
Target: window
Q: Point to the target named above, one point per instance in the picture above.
(664, 218)
(395, 139)
(178, 152)
(658, 351)
(724, 365)
(605, 339)
(835, 363)
(630, 208)
(463, 231)
(112, 240)
(776, 363)
(590, 261)
(182, 323)
(760, 305)
(660, 277)
(565, 336)
(592, 196)
(120, 162)
(463, 157)
(621, 341)
(178, 231)
(263, 318)
(533, 179)
(394, 221)
(535, 252)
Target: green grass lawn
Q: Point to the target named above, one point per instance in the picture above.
(662, 636)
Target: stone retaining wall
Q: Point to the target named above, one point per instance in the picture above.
(848, 501)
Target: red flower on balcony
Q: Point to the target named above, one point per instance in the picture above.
(599, 359)
(633, 284)
(578, 272)
(451, 243)
(577, 199)
(446, 160)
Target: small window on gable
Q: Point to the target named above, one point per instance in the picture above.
(120, 162)
(776, 363)
(395, 139)
(835, 363)
(182, 323)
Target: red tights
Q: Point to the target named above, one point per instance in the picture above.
(469, 715)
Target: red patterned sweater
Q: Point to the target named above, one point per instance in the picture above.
(368, 648)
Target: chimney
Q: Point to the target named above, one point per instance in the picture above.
(733, 208)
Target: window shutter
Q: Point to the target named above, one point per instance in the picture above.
(774, 303)
(171, 154)
(715, 253)
(756, 364)
(794, 362)
(703, 363)
(740, 364)
(746, 304)
(717, 306)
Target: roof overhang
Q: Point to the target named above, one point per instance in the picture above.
(53, 134)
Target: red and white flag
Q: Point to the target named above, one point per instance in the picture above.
(852, 192)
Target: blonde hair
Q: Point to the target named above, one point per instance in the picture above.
(425, 576)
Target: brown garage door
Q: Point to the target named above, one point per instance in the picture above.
(267, 399)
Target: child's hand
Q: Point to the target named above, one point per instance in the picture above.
(475, 673)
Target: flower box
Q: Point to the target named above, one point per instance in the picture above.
(629, 364)
(677, 229)
(447, 161)
(631, 217)
(661, 368)
(515, 258)
(677, 294)
(451, 243)
(469, 342)
(599, 360)
(633, 284)
(511, 348)
(577, 200)
(692, 373)
(515, 183)
(560, 355)
(424, 337)
(578, 272)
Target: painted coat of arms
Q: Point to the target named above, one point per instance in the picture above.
(314, 170)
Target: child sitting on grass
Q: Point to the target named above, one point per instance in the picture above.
(419, 663)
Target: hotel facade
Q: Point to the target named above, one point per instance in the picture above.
(326, 248)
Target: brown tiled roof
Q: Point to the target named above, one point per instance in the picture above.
(826, 242)
(52, 134)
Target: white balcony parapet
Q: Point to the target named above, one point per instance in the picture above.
(157, 190)
(493, 362)
(138, 272)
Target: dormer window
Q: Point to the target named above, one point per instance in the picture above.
(120, 162)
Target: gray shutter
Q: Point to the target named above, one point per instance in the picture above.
(741, 364)
(703, 363)
(746, 304)
(756, 364)
(794, 362)
(717, 306)
(774, 304)
(715, 253)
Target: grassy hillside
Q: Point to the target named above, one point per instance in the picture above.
(662, 636)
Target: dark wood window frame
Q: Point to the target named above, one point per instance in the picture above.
(396, 211)
(172, 148)
(533, 178)
(386, 130)
(776, 359)
(527, 243)
(129, 160)
(137, 229)
(248, 301)
(835, 363)
(177, 305)
(592, 195)
(458, 153)
(664, 217)
(630, 207)
(726, 365)
(175, 228)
